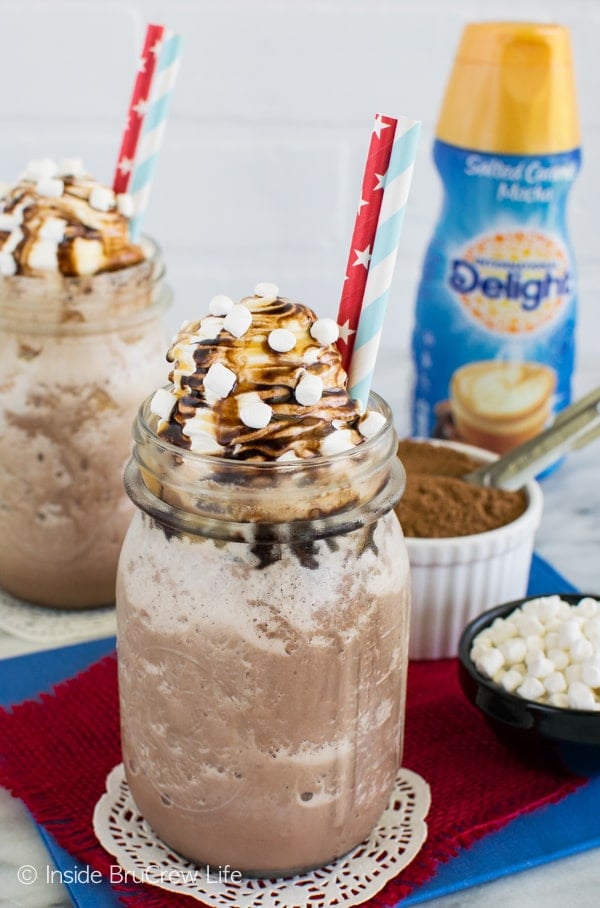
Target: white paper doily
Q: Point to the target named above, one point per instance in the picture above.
(40, 624)
(351, 880)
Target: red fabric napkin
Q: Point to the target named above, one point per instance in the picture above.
(57, 750)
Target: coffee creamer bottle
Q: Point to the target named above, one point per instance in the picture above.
(493, 341)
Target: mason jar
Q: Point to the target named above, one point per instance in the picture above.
(77, 355)
(263, 613)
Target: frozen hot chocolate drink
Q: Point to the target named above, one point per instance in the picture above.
(262, 596)
(80, 345)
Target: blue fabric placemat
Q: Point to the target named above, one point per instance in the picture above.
(555, 831)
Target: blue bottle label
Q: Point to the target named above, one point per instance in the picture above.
(498, 293)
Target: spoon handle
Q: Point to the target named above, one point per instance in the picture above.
(574, 427)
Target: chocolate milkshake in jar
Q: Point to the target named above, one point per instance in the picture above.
(262, 596)
(81, 343)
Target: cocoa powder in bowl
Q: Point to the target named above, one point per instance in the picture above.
(438, 503)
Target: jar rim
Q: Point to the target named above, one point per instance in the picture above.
(285, 466)
(313, 497)
(26, 317)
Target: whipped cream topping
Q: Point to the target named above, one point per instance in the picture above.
(261, 379)
(58, 218)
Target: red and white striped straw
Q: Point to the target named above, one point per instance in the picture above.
(363, 237)
(383, 259)
(138, 107)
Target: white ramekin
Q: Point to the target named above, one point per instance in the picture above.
(454, 579)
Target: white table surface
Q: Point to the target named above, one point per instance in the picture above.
(569, 538)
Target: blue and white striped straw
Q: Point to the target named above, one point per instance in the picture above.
(383, 259)
(155, 121)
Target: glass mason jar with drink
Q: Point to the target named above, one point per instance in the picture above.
(262, 596)
(81, 343)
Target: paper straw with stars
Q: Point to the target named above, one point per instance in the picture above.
(137, 107)
(365, 225)
(383, 258)
(153, 127)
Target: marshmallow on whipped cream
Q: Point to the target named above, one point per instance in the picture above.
(260, 379)
(56, 218)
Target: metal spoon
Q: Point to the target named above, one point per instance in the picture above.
(574, 427)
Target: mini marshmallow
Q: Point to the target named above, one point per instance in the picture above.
(587, 607)
(502, 630)
(490, 662)
(559, 657)
(325, 331)
(337, 442)
(8, 266)
(309, 390)
(573, 672)
(266, 290)
(590, 674)
(71, 167)
(580, 696)
(371, 423)
(534, 643)
(53, 229)
(219, 380)
(88, 254)
(209, 328)
(42, 256)
(50, 188)
(569, 632)
(555, 683)
(238, 320)
(102, 198)
(39, 170)
(162, 404)
(254, 413)
(560, 700)
(539, 666)
(281, 340)
(478, 650)
(220, 305)
(581, 650)
(4, 189)
(125, 204)
(514, 650)
(511, 679)
(531, 689)
(591, 629)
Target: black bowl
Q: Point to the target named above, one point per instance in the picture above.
(536, 729)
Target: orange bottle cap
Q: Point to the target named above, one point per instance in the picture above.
(511, 90)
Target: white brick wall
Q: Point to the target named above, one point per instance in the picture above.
(261, 167)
